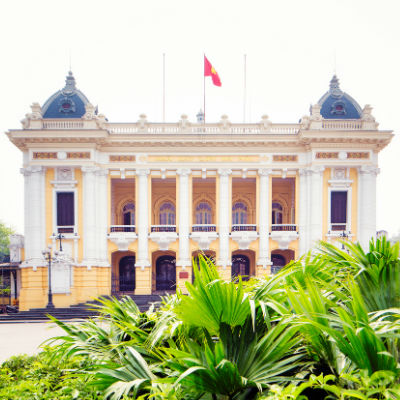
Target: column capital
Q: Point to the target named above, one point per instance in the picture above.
(102, 172)
(264, 171)
(184, 172)
(224, 171)
(32, 169)
(317, 169)
(304, 171)
(89, 169)
(142, 172)
(369, 170)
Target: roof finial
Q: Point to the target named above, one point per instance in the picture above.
(334, 83)
(69, 83)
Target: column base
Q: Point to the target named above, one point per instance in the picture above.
(184, 263)
(264, 262)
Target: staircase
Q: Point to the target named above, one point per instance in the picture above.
(76, 311)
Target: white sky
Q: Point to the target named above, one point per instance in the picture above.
(117, 51)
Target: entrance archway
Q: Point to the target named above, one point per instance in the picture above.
(126, 271)
(240, 266)
(280, 258)
(166, 273)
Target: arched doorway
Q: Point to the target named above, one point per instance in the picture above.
(127, 274)
(280, 258)
(240, 266)
(166, 273)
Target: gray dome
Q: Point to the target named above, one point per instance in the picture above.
(68, 102)
(336, 104)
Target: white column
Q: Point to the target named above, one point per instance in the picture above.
(35, 220)
(303, 211)
(89, 216)
(102, 209)
(184, 218)
(367, 204)
(225, 212)
(143, 219)
(316, 205)
(264, 217)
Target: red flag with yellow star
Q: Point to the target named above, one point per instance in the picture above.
(210, 71)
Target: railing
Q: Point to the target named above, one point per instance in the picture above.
(122, 228)
(341, 124)
(204, 228)
(338, 227)
(163, 228)
(244, 227)
(283, 228)
(121, 284)
(203, 129)
(63, 124)
(66, 229)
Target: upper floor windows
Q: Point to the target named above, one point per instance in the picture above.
(239, 213)
(338, 210)
(167, 214)
(128, 214)
(65, 212)
(203, 214)
(277, 213)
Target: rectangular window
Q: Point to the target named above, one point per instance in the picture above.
(339, 211)
(65, 212)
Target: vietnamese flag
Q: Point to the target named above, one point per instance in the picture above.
(210, 71)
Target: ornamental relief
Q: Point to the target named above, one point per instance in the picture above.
(284, 158)
(41, 155)
(78, 155)
(122, 158)
(325, 155)
(203, 159)
(364, 155)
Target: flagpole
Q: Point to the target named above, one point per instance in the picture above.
(204, 90)
(244, 87)
(164, 87)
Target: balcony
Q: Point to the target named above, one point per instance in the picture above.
(244, 234)
(122, 228)
(244, 228)
(163, 235)
(163, 228)
(204, 228)
(122, 236)
(204, 234)
(342, 227)
(284, 234)
(66, 229)
(283, 228)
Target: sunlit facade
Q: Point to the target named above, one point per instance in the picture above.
(136, 202)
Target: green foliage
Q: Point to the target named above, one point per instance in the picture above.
(324, 327)
(5, 232)
(31, 378)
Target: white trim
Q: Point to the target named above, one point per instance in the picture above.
(348, 206)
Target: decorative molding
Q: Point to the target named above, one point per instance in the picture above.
(78, 155)
(284, 238)
(327, 155)
(122, 239)
(363, 155)
(244, 238)
(163, 239)
(122, 158)
(197, 159)
(42, 155)
(285, 158)
(204, 239)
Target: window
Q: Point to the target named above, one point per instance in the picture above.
(65, 212)
(339, 211)
(128, 214)
(277, 213)
(239, 214)
(203, 214)
(167, 214)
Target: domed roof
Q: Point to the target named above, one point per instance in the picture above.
(68, 102)
(336, 104)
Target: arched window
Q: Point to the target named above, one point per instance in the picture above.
(167, 214)
(239, 214)
(277, 213)
(128, 214)
(203, 213)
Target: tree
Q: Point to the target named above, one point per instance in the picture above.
(5, 232)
